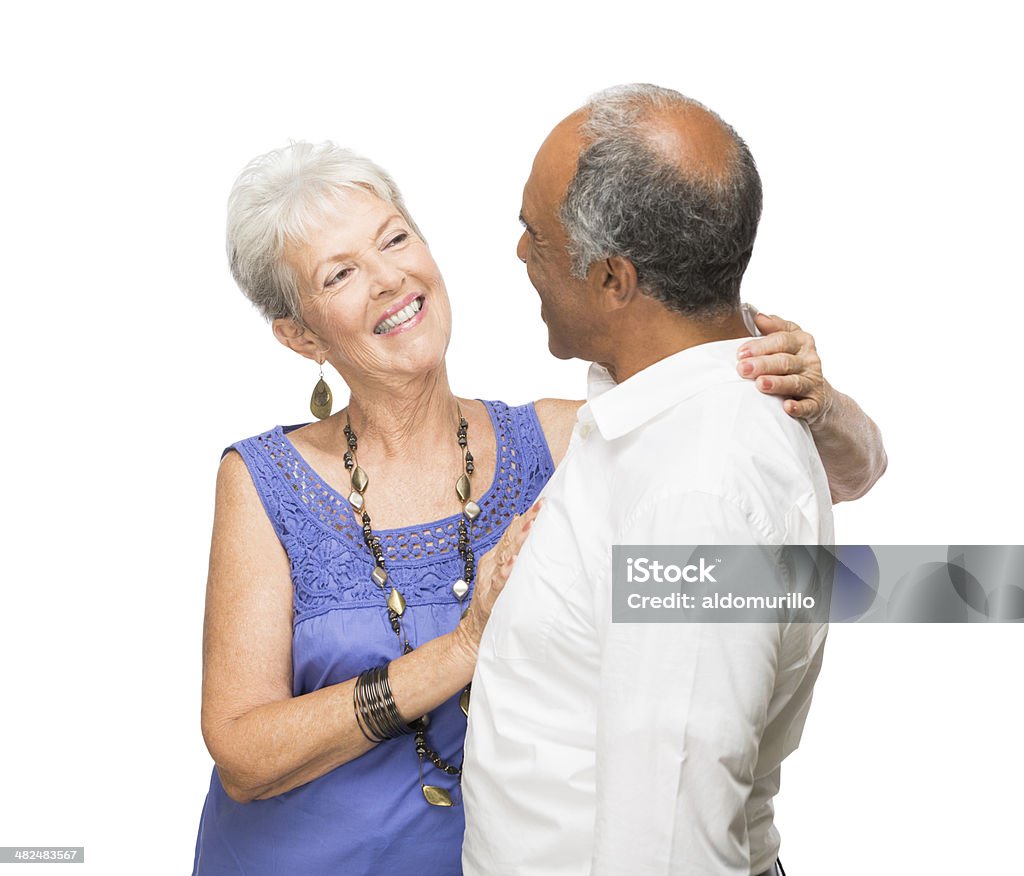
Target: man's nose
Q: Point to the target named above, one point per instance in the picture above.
(523, 247)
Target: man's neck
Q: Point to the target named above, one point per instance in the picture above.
(639, 343)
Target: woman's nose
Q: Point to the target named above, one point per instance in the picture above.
(387, 276)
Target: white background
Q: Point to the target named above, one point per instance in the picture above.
(888, 138)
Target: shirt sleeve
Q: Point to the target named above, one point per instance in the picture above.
(682, 710)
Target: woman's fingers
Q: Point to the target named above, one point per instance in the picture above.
(496, 565)
(768, 324)
(493, 571)
(792, 342)
(517, 531)
(809, 409)
(774, 364)
(786, 363)
(508, 548)
(804, 361)
(791, 386)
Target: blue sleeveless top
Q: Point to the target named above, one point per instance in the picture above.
(368, 816)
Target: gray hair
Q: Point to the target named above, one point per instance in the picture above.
(277, 200)
(689, 233)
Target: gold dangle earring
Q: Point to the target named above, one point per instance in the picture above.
(321, 402)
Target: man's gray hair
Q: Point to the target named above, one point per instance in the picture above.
(688, 233)
(277, 201)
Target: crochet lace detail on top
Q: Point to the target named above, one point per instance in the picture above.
(331, 566)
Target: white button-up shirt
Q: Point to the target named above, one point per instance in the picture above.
(601, 748)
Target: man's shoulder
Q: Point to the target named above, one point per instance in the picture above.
(733, 420)
(735, 442)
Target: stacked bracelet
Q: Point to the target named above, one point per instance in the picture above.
(376, 712)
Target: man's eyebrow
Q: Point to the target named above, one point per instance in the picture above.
(526, 224)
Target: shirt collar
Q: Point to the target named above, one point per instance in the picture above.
(619, 408)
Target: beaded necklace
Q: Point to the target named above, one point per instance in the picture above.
(434, 794)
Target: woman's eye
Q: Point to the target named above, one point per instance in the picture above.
(398, 239)
(338, 277)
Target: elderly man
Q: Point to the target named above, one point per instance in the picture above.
(601, 748)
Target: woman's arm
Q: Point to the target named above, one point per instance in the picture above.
(263, 740)
(785, 362)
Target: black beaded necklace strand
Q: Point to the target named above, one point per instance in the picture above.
(434, 795)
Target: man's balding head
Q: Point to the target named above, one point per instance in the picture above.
(662, 181)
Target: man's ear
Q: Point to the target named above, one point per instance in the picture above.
(298, 338)
(614, 282)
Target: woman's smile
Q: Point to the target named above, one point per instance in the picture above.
(402, 317)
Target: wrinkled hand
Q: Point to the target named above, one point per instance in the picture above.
(492, 572)
(785, 362)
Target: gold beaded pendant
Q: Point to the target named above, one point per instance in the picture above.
(437, 796)
(396, 602)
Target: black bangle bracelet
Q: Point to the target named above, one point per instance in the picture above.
(375, 709)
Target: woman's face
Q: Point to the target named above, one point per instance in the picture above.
(371, 292)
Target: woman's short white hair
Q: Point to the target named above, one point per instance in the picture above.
(277, 200)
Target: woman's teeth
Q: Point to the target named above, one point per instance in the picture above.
(396, 319)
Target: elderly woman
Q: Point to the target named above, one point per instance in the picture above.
(338, 646)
